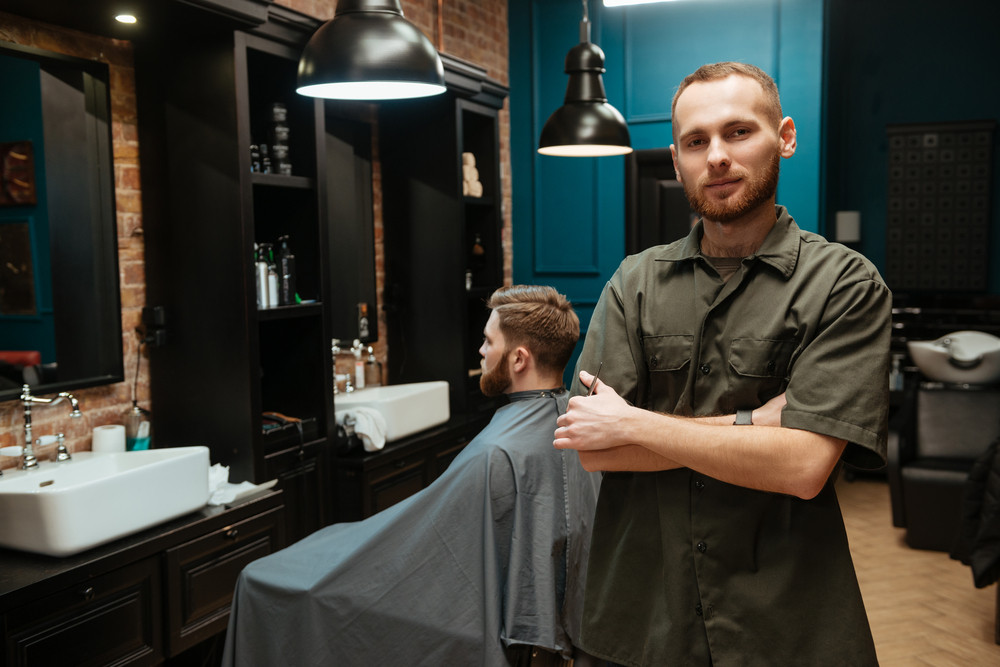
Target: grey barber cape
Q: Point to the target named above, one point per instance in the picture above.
(492, 554)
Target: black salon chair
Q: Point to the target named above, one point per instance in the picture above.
(945, 429)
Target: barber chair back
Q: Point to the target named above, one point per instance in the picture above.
(930, 460)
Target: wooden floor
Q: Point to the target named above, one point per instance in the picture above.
(922, 605)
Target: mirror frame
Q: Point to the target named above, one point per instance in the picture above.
(85, 285)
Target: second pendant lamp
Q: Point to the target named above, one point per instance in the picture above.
(585, 125)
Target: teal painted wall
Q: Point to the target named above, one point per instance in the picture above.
(23, 122)
(904, 61)
(569, 213)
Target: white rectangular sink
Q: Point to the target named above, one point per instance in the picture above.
(407, 408)
(60, 509)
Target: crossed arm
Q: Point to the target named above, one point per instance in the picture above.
(611, 435)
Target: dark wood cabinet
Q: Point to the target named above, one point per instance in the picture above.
(371, 482)
(151, 598)
(109, 619)
(444, 253)
(226, 85)
(201, 576)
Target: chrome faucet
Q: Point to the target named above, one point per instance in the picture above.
(28, 459)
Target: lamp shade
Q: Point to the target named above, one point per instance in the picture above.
(586, 125)
(368, 51)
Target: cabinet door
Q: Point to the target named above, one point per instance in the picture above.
(302, 476)
(202, 574)
(110, 619)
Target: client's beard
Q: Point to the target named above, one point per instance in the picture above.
(496, 381)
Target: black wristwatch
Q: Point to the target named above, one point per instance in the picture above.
(744, 418)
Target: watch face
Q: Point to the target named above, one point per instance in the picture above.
(17, 174)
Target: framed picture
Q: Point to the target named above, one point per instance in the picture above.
(17, 174)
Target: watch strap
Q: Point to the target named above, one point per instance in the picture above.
(744, 418)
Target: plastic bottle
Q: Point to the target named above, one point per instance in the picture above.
(137, 429)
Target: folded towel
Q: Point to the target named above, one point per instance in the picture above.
(369, 424)
(469, 159)
(470, 173)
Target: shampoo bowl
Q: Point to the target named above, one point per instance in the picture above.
(60, 509)
(962, 357)
(407, 408)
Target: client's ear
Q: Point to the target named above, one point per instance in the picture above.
(520, 359)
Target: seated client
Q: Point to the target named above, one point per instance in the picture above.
(478, 567)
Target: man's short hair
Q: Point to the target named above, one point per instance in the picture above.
(718, 71)
(541, 319)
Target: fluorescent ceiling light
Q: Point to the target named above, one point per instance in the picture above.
(622, 3)
(125, 18)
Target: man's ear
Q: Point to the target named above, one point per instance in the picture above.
(677, 171)
(786, 135)
(520, 359)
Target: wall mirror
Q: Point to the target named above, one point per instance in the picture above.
(60, 309)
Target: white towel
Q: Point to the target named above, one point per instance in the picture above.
(470, 173)
(469, 159)
(369, 424)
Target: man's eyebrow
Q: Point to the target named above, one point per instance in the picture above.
(742, 120)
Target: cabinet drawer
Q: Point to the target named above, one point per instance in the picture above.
(110, 619)
(202, 573)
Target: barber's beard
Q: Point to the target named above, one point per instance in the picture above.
(757, 191)
(497, 380)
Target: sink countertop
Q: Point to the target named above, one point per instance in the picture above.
(26, 576)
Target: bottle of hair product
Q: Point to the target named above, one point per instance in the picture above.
(373, 370)
(359, 365)
(260, 265)
(286, 266)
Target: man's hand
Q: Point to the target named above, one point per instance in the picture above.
(593, 422)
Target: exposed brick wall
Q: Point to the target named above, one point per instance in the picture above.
(473, 30)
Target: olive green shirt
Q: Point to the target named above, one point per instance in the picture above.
(688, 570)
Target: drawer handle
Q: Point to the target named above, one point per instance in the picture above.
(87, 593)
(232, 533)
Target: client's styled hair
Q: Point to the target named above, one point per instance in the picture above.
(541, 319)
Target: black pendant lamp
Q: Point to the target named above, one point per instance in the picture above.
(585, 125)
(368, 51)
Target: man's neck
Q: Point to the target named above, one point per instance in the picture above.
(738, 238)
(535, 382)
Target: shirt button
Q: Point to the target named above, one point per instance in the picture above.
(653, 361)
(702, 547)
(698, 484)
(706, 369)
(697, 610)
(770, 366)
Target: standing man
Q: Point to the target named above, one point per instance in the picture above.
(740, 366)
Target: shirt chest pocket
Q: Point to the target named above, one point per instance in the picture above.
(667, 360)
(763, 360)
